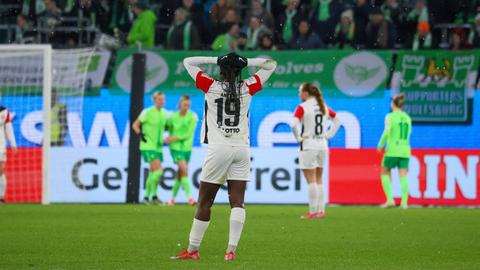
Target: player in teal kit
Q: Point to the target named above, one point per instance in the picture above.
(181, 127)
(150, 126)
(398, 126)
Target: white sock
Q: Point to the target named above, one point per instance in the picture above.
(3, 186)
(196, 234)
(321, 199)
(237, 219)
(312, 198)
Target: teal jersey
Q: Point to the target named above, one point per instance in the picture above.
(183, 128)
(153, 126)
(398, 127)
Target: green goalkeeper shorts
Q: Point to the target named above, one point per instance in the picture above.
(150, 156)
(180, 155)
(393, 162)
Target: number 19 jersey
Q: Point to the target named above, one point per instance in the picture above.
(313, 125)
(226, 121)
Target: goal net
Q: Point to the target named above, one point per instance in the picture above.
(43, 91)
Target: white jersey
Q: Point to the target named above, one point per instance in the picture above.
(313, 122)
(225, 121)
(5, 120)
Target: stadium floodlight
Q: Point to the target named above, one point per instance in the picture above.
(41, 88)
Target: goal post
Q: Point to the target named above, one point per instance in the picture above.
(47, 106)
(36, 82)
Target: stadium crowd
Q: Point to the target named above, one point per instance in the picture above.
(225, 25)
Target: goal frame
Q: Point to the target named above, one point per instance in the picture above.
(46, 50)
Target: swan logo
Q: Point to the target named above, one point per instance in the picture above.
(359, 74)
(156, 72)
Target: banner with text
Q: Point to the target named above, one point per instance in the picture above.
(338, 73)
(99, 175)
(436, 84)
(435, 177)
(352, 176)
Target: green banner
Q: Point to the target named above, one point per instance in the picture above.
(436, 83)
(338, 73)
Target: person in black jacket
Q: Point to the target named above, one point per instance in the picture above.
(286, 27)
(306, 39)
(198, 19)
(324, 16)
(183, 34)
(361, 13)
(380, 32)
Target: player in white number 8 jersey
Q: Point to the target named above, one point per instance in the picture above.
(313, 114)
(225, 129)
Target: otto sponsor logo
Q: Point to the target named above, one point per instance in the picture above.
(230, 130)
(156, 72)
(360, 74)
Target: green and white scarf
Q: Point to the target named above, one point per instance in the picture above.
(427, 43)
(186, 35)
(324, 10)
(252, 37)
(288, 26)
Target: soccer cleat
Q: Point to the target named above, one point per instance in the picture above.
(146, 201)
(387, 205)
(185, 255)
(404, 206)
(230, 256)
(309, 216)
(157, 201)
(192, 202)
(320, 214)
(171, 202)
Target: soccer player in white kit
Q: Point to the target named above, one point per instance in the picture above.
(312, 114)
(6, 133)
(226, 131)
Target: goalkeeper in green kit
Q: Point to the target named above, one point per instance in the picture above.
(181, 127)
(150, 126)
(398, 126)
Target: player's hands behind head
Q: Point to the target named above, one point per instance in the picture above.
(232, 61)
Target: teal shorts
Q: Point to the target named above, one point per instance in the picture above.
(395, 162)
(150, 156)
(180, 155)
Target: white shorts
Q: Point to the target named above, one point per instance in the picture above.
(311, 159)
(224, 162)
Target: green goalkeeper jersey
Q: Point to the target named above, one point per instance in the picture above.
(153, 126)
(183, 128)
(398, 126)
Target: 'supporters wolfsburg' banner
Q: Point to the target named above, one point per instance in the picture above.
(436, 83)
(339, 73)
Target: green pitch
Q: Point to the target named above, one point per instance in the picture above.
(144, 237)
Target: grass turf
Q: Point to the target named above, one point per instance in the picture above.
(144, 237)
